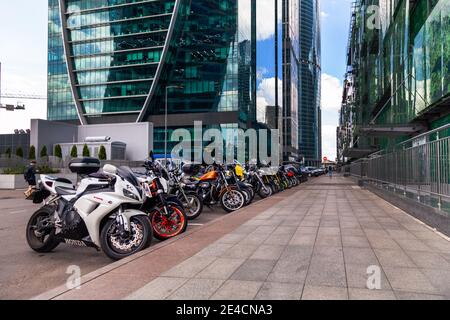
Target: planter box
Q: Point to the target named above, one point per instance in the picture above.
(13, 182)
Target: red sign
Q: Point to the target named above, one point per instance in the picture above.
(325, 159)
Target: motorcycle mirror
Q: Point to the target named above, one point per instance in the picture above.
(152, 156)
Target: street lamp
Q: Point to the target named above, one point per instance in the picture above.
(165, 118)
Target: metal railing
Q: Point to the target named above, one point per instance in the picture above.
(418, 168)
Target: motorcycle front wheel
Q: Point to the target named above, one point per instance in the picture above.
(41, 231)
(166, 227)
(118, 245)
(232, 200)
(265, 191)
(193, 204)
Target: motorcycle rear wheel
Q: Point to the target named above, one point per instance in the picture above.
(40, 233)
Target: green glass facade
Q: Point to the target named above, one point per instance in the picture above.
(399, 69)
(309, 111)
(115, 60)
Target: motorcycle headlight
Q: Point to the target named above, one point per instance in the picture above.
(131, 195)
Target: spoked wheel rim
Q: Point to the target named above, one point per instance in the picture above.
(126, 242)
(192, 204)
(233, 200)
(168, 226)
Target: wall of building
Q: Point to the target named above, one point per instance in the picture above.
(137, 136)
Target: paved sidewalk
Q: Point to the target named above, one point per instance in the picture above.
(315, 242)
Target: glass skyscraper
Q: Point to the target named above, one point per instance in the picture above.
(116, 60)
(309, 110)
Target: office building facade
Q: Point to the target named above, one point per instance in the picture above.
(309, 96)
(398, 75)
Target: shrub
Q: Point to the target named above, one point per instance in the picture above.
(86, 152)
(102, 153)
(15, 170)
(58, 151)
(44, 152)
(8, 152)
(74, 152)
(45, 169)
(19, 152)
(32, 154)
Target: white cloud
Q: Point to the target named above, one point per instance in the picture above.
(329, 141)
(265, 17)
(266, 96)
(323, 14)
(332, 90)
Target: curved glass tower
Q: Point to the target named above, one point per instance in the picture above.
(117, 60)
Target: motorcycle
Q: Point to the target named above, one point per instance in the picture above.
(214, 187)
(97, 214)
(167, 213)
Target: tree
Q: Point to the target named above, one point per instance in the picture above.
(58, 151)
(8, 152)
(19, 152)
(44, 152)
(32, 154)
(74, 152)
(86, 152)
(102, 153)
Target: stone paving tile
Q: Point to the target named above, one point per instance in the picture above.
(214, 250)
(221, 269)
(254, 270)
(401, 295)
(307, 231)
(268, 252)
(328, 255)
(355, 242)
(394, 258)
(413, 245)
(158, 289)
(383, 243)
(237, 290)
(196, 289)
(401, 234)
(329, 231)
(409, 279)
(326, 274)
(366, 294)
(232, 238)
(361, 256)
(280, 291)
(328, 241)
(358, 277)
(428, 260)
(240, 251)
(300, 239)
(353, 232)
(324, 293)
(189, 268)
(440, 279)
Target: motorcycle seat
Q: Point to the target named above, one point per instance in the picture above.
(65, 191)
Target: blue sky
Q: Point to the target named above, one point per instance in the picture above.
(23, 54)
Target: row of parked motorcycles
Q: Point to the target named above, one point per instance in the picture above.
(119, 211)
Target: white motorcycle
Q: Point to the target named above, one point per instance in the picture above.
(97, 214)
